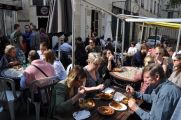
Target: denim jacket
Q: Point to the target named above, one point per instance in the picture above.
(164, 99)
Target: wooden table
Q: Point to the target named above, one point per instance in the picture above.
(118, 115)
(126, 76)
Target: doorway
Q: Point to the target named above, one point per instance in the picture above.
(42, 23)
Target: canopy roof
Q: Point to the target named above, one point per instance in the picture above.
(153, 20)
(164, 24)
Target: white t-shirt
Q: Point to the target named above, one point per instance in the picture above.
(132, 51)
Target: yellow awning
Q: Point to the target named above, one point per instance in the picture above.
(164, 24)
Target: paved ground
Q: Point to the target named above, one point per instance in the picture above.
(20, 114)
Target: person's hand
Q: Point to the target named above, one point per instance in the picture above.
(81, 91)
(13, 63)
(110, 57)
(100, 87)
(130, 90)
(132, 104)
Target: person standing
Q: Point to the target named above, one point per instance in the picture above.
(27, 38)
(16, 37)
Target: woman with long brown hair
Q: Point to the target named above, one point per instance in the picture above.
(67, 92)
(175, 77)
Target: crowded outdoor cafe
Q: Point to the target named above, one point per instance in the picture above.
(98, 86)
(87, 80)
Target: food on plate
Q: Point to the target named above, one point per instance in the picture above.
(116, 105)
(125, 100)
(108, 90)
(117, 70)
(105, 96)
(105, 110)
(89, 103)
(17, 67)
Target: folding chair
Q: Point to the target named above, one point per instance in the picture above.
(9, 95)
(40, 93)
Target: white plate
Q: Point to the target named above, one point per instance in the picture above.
(124, 107)
(81, 115)
(118, 96)
(108, 90)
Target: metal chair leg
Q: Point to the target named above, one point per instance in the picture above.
(11, 109)
(37, 109)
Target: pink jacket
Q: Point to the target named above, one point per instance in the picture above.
(32, 73)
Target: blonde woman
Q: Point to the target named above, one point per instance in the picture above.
(67, 92)
(58, 67)
(148, 60)
(93, 81)
(10, 58)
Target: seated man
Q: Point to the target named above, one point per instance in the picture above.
(37, 70)
(164, 97)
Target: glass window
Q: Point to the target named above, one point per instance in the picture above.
(9, 21)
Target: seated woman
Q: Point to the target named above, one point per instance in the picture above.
(138, 57)
(67, 92)
(175, 77)
(107, 64)
(9, 59)
(93, 81)
(58, 67)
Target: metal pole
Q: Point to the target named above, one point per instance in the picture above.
(73, 33)
(4, 19)
(101, 8)
(142, 32)
(155, 35)
(123, 31)
(58, 48)
(117, 29)
(178, 39)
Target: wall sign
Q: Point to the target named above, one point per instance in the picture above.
(42, 10)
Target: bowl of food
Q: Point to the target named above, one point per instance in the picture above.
(117, 106)
(105, 96)
(105, 110)
(125, 100)
(87, 103)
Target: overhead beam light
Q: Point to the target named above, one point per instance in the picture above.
(153, 20)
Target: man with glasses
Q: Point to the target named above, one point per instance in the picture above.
(164, 97)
